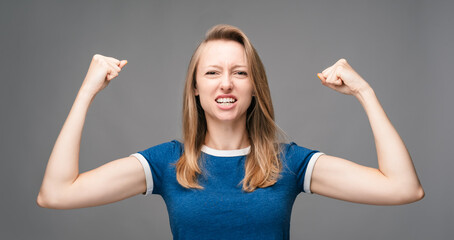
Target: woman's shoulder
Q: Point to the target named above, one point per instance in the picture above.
(169, 149)
(172, 144)
(290, 146)
(291, 149)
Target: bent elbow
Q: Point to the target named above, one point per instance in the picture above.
(46, 202)
(43, 201)
(411, 196)
(417, 195)
(40, 201)
(420, 194)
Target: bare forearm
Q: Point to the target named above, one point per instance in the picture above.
(394, 160)
(63, 165)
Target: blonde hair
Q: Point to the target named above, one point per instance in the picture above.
(262, 166)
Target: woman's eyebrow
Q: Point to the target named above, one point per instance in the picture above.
(234, 66)
(216, 66)
(238, 66)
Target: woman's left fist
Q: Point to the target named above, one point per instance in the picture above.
(343, 78)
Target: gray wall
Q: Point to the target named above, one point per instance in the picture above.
(404, 49)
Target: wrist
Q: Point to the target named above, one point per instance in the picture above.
(86, 94)
(365, 93)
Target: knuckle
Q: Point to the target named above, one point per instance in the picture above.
(98, 58)
(325, 74)
(342, 60)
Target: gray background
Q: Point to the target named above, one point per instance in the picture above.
(404, 49)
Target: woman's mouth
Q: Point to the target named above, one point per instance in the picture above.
(225, 101)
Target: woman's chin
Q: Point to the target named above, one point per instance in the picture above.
(228, 118)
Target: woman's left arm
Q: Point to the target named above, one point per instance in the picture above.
(395, 181)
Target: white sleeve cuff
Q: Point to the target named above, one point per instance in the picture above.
(147, 170)
(309, 169)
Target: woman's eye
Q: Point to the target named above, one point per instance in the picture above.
(210, 73)
(242, 73)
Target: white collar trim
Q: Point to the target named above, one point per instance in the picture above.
(226, 153)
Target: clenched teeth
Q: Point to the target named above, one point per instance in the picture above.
(225, 100)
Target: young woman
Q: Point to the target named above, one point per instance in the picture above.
(230, 177)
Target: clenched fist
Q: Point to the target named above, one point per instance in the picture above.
(343, 78)
(102, 69)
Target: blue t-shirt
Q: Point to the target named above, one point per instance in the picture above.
(222, 210)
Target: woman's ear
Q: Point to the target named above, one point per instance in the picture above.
(196, 92)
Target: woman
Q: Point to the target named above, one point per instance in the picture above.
(232, 177)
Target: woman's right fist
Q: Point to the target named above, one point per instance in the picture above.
(102, 69)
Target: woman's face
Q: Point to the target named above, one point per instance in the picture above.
(222, 81)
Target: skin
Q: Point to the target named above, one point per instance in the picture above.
(223, 69)
(63, 187)
(394, 182)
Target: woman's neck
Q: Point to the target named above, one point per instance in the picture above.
(225, 136)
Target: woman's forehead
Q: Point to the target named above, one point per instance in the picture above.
(223, 52)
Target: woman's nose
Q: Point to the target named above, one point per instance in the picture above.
(226, 82)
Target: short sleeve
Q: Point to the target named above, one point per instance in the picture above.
(156, 162)
(301, 161)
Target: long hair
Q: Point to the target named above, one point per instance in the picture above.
(262, 166)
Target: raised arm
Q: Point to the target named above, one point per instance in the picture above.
(395, 181)
(63, 187)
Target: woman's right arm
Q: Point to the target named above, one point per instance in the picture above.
(63, 187)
